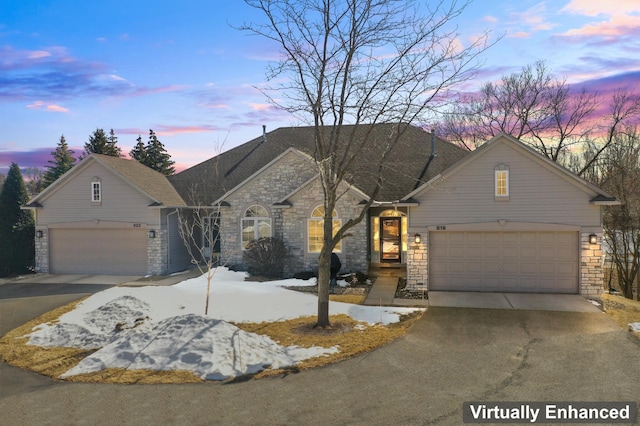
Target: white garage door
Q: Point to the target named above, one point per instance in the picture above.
(98, 251)
(539, 262)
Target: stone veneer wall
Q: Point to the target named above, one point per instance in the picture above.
(275, 183)
(157, 253)
(353, 255)
(591, 266)
(290, 223)
(418, 261)
(42, 251)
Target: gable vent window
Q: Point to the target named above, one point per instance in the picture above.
(502, 183)
(96, 192)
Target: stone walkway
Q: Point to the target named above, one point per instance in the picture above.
(383, 291)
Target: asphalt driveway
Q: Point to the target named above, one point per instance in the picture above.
(450, 355)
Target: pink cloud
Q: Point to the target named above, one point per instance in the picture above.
(599, 7)
(260, 107)
(47, 106)
(165, 130)
(620, 18)
(531, 20)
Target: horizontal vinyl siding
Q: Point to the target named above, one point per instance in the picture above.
(536, 194)
(120, 201)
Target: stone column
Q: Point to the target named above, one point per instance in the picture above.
(591, 265)
(42, 251)
(418, 261)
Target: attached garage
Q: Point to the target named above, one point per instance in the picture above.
(536, 262)
(98, 251)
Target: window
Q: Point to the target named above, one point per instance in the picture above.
(210, 235)
(316, 230)
(255, 224)
(96, 192)
(502, 183)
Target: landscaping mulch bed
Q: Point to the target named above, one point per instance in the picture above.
(358, 290)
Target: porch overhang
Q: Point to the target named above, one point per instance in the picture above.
(602, 200)
(409, 202)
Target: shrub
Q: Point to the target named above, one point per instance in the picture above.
(265, 257)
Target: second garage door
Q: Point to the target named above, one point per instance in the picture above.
(539, 262)
(98, 251)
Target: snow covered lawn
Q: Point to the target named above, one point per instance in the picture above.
(164, 328)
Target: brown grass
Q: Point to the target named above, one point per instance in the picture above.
(621, 309)
(352, 338)
(354, 299)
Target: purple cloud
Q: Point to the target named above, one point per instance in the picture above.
(51, 74)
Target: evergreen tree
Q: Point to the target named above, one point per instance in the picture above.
(139, 152)
(62, 162)
(17, 227)
(155, 155)
(100, 143)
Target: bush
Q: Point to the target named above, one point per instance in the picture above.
(265, 257)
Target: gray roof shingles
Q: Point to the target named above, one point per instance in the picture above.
(402, 172)
(153, 183)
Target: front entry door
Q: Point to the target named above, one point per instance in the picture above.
(391, 241)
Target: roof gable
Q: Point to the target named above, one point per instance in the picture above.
(404, 169)
(263, 169)
(599, 196)
(152, 184)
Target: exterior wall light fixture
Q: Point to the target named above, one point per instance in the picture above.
(39, 234)
(152, 234)
(417, 239)
(593, 239)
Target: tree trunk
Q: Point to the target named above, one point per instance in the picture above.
(323, 287)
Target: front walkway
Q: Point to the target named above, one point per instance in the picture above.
(383, 292)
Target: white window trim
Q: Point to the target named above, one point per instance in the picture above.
(98, 199)
(338, 249)
(498, 171)
(256, 220)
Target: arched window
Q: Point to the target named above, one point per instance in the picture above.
(255, 224)
(315, 229)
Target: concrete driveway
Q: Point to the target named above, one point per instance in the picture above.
(450, 355)
(528, 301)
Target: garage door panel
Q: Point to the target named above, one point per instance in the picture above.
(504, 261)
(98, 251)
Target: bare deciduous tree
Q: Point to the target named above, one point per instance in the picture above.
(199, 229)
(544, 112)
(358, 63)
(621, 177)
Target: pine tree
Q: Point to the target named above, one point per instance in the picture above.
(139, 152)
(100, 143)
(157, 157)
(17, 227)
(62, 162)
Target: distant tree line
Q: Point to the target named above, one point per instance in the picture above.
(152, 154)
(17, 226)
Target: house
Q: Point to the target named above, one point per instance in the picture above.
(501, 218)
(108, 215)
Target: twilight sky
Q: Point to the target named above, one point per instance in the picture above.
(68, 67)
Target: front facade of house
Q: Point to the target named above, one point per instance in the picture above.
(506, 219)
(96, 220)
(501, 218)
